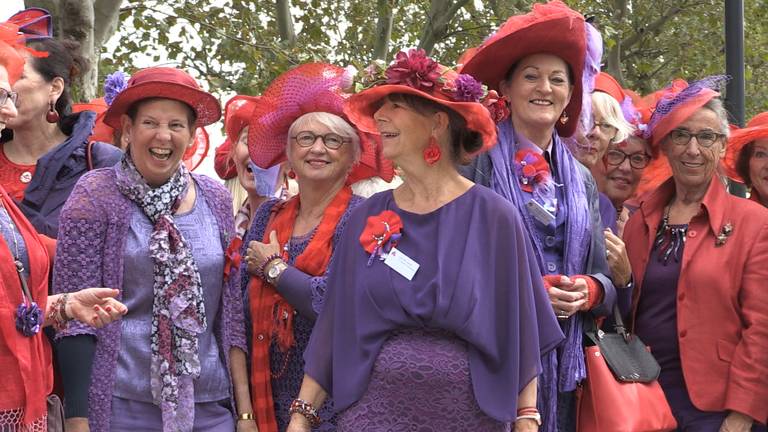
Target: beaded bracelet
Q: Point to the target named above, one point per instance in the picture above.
(57, 313)
(260, 272)
(306, 410)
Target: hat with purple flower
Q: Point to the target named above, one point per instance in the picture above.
(412, 72)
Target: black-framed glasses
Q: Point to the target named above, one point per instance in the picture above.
(682, 137)
(331, 140)
(5, 95)
(637, 160)
(605, 128)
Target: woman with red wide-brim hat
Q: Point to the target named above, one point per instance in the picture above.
(430, 323)
(544, 63)
(158, 233)
(299, 120)
(746, 158)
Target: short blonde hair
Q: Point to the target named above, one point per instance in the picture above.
(610, 110)
(333, 122)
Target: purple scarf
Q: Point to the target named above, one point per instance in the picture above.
(178, 312)
(564, 369)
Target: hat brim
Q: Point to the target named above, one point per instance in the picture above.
(736, 143)
(205, 105)
(360, 108)
(558, 34)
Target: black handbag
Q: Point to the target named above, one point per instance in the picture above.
(626, 355)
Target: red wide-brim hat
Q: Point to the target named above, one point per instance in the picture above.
(196, 153)
(310, 87)
(551, 28)
(222, 161)
(360, 108)
(164, 83)
(607, 84)
(756, 129)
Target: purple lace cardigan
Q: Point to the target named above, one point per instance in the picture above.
(93, 229)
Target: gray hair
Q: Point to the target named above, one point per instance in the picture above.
(333, 122)
(716, 106)
(610, 111)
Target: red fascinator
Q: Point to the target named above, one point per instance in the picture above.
(412, 72)
(756, 129)
(551, 28)
(310, 87)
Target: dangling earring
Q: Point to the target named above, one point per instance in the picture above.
(564, 118)
(52, 116)
(432, 153)
(291, 174)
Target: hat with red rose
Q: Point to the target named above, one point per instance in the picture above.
(412, 72)
(307, 88)
(551, 28)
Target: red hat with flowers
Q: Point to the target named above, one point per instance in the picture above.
(32, 23)
(412, 72)
(551, 28)
(756, 129)
(165, 83)
(310, 87)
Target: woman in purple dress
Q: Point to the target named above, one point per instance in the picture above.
(158, 233)
(436, 317)
(299, 118)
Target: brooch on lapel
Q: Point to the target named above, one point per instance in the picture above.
(381, 234)
(725, 232)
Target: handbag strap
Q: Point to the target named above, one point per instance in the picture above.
(593, 332)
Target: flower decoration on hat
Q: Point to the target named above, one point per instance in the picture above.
(381, 234)
(414, 69)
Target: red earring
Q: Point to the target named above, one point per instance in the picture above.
(432, 153)
(52, 116)
(291, 174)
(564, 118)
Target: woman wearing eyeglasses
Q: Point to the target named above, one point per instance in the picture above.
(300, 119)
(698, 257)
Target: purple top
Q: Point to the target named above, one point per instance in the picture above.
(478, 279)
(656, 320)
(607, 212)
(306, 294)
(93, 233)
(135, 354)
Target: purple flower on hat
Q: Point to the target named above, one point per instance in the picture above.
(113, 85)
(468, 89)
(414, 69)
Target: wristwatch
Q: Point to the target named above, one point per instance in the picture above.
(276, 268)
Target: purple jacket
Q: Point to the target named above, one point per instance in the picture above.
(92, 233)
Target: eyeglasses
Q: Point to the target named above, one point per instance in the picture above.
(636, 160)
(5, 95)
(705, 138)
(605, 128)
(331, 140)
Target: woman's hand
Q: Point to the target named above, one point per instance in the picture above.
(95, 306)
(736, 422)
(298, 424)
(567, 297)
(247, 426)
(77, 424)
(258, 252)
(618, 261)
(526, 425)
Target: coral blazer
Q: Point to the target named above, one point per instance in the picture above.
(722, 297)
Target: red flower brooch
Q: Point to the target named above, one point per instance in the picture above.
(531, 168)
(414, 69)
(381, 234)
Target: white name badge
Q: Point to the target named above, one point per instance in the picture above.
(401, 263)
(539, 212)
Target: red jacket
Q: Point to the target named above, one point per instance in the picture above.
(722, 300)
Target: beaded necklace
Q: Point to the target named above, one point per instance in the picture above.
(669, 239)
(29, 316)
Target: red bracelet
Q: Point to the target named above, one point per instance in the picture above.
(306, 410)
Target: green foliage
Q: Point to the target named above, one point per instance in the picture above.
(235, 44)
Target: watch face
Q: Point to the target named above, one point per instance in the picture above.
(274, 271)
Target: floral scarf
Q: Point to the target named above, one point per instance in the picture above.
(178, 312)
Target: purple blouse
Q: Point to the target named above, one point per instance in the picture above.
(93, 231)
(478, 279)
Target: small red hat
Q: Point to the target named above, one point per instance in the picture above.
(551, 28)
(34, 23)
(166, 83)
(608, 84)
(756, 129)
(414, 73)
(310, 87)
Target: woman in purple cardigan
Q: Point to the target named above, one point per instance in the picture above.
(158, 233)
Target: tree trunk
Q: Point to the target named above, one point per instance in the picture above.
(383, 28)
(77, 18)
(440, 14)
(285, 22)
